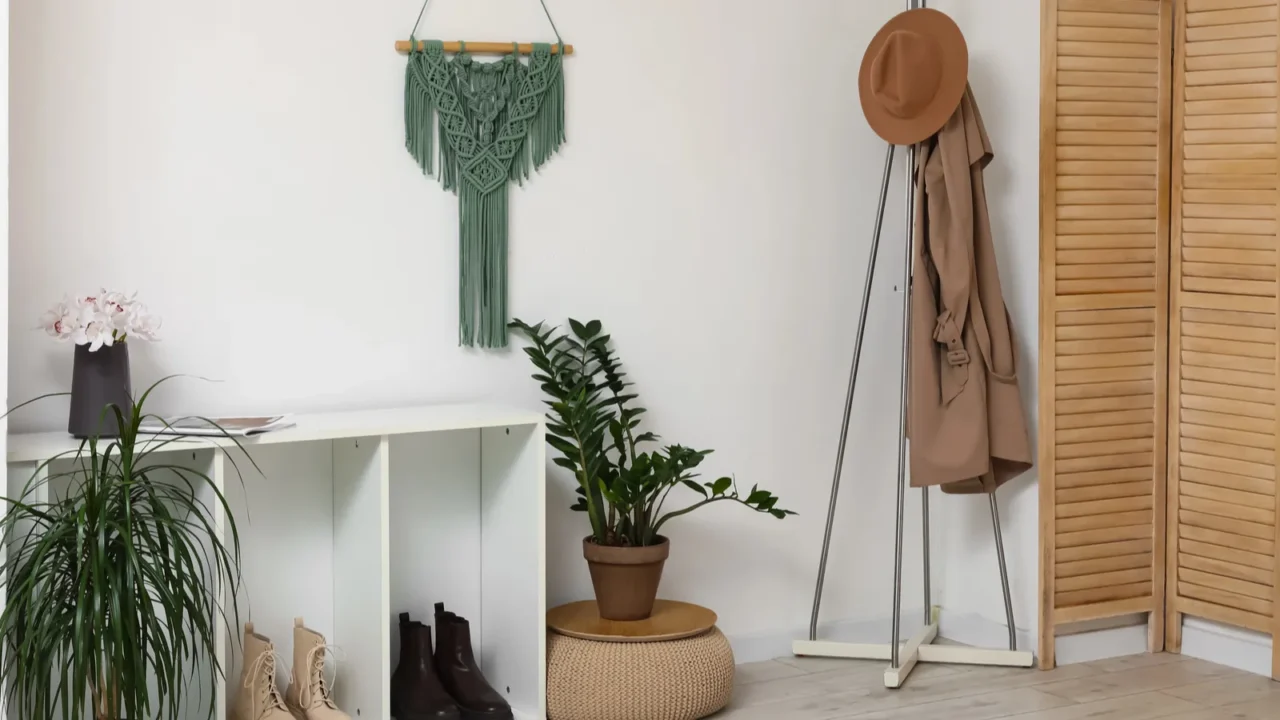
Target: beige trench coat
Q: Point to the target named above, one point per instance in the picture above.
(966, 423)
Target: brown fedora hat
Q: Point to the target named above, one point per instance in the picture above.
(913, 76)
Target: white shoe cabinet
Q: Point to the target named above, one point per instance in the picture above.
(356, 517)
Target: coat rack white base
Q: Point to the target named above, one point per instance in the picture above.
(918, 649)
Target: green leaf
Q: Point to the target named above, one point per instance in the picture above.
(566, 447)
(594, 428)
(695, 487)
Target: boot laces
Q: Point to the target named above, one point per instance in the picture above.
(316, 682)
(268, 695)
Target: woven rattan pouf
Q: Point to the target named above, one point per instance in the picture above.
(683, 679)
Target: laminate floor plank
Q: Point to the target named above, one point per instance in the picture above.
(1144, 706)
(1136, 687)
(1229, 691)
(973, 707)
(1256, 710)
(1131, 682)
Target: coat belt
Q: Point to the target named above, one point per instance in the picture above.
(946, 333)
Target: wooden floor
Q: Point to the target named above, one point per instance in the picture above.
(1129, 688)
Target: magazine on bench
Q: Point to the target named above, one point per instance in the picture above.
(234, 426)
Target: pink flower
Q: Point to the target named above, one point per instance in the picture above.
(60, 320)
(100, 320)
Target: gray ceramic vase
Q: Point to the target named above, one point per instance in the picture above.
(99, 379)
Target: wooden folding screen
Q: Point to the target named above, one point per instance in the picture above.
(1222, 501)
(1105, 143)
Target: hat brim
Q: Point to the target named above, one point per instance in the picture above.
(951, 87)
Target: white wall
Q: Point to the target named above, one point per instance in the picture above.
(241, 165)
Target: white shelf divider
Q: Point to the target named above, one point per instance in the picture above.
(512, 524)
(361, 575)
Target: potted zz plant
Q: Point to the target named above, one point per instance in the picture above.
(594, 425)
(112, 575)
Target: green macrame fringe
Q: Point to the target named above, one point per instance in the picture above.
(482, 279)
(547, 133)
(419, 117)
(482, 247)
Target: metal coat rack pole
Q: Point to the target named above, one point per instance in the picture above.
(902, 657)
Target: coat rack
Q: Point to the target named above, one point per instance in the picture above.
(902, 657)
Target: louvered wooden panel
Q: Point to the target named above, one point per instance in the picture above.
(1105, 143)
(1223, 336)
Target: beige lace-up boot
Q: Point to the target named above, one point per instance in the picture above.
(310, 695)
(259, 697)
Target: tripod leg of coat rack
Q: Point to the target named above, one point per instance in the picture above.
(813, 646)
(1004, 574)
(980, 656)
(853, 382)
(895, 665)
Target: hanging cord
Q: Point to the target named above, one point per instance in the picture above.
(554, 29)
(418, 22)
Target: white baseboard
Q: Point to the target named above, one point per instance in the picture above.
(770, 644)
(1100, 644)
(979, 631)
(1225, 645)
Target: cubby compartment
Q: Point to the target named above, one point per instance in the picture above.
(349, 519)
(466, 530)
(310, 532)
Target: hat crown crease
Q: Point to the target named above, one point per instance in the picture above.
(906, 73)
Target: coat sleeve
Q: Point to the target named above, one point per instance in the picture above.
(950, 247)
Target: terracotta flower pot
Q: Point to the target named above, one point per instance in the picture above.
(625, 578)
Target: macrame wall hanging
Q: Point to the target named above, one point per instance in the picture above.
(486, 124)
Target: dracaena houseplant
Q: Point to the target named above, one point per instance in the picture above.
(594, 424)
(111, 580)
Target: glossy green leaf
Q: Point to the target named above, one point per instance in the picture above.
(595, 426)
(695, 487)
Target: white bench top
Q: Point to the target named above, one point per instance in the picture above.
(30, 447)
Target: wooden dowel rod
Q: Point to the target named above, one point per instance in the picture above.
(483, 48)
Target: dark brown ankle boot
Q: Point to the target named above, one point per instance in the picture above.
(459, 672)
(416, 692)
